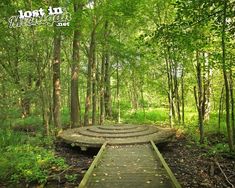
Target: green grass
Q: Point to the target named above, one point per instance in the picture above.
(153, 116)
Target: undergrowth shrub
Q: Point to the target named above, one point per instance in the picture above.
(25, 158)
(28, 163)
(149, 117)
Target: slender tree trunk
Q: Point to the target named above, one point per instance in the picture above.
(232, 104)
(226, 83)
(200, 99)
(107, 93)
(207, 88)
(48, 86)
(89, 78)
(142, 98)
(43, 97)
(94, 97)
(169, 90)
(88, 90)
(134, 91)
(102, 107)
(176, 89)
(50, 99)
(170, 65)
(221, 107)
(75, 104)
(182, 95)
(25, 102)
(56, 80)
(94, 71)
(118, 93)
(97, 89)
(45, 113)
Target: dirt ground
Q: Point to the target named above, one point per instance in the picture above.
(78, 161)
(193, 167)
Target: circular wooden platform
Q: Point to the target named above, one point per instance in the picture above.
(96, 136)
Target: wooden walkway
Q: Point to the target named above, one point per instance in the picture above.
(128, 157)
(129, 166)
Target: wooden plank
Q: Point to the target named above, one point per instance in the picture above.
(91, 168)
(171, 175)
(142, 169)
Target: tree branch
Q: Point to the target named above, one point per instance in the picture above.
(217, 163)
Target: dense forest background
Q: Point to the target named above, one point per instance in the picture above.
(168, 63)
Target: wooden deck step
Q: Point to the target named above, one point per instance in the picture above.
(96, 136)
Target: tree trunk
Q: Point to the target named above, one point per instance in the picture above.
(75, 104)
(176, 89)
(94, 98)
(45, 112)
(207, 74)
(56, 80)
(48, 85)
(118, 93)
(169, 90)
(102, 107)
(171, 84)
(200, 99)
(89, 78)
(232, 104)
(43, 97)
(226, 83)
(107, 92)
(142, 98)
(182, 95)
(220, 107)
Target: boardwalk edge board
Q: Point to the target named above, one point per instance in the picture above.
(93, 165)
(169, 172)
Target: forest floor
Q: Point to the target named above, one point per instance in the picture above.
(194, 167)
(190, 163)
(78, 161)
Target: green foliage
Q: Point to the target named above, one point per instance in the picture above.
(218, 149)
(124, 106)
(149, 117)
(24, 158)
(28, 163)
(65, 117)
(9, 138)
(31, 120)
(15, 138)
(71, 177)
